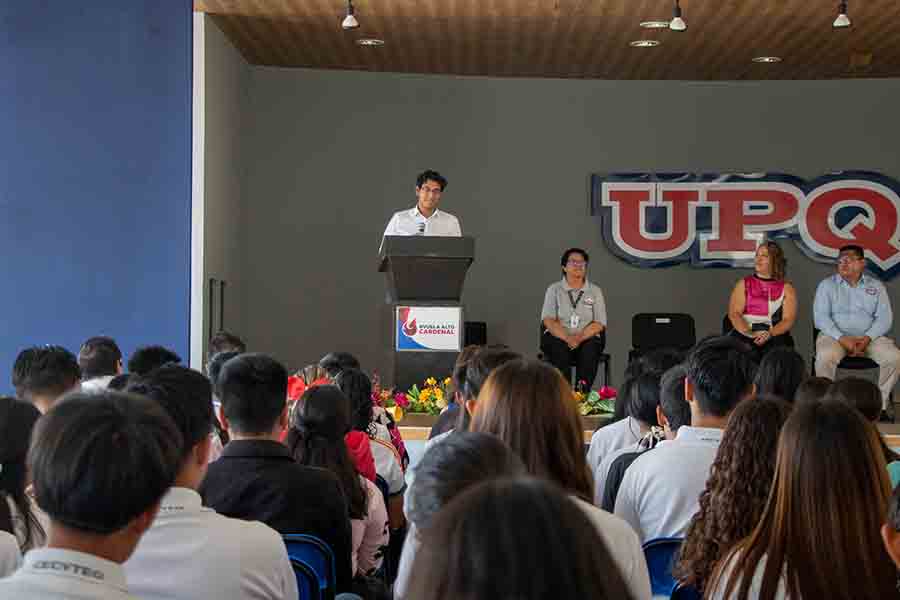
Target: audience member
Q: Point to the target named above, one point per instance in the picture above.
(530, 407)
(248, 558)
(448, 419)
(818, 536)
(516, 538)
(737, 489)
(316, 439)
(811, 389)
(223, 341)
(148, 358)
(257, 479)
(46, 374)
(661, 489)
(10, 555)
(100, 463)
(21, 368)
(335, 362)
(780, 373)
(657, 362)
(18, 513)
(890, 531)
(446, 470)
(100, 360)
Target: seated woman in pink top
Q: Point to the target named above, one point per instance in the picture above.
(763, 306)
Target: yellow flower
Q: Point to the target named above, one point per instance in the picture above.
(439, 398)
(425, 395)
(431, 381)
(396, 412)
(447, 381)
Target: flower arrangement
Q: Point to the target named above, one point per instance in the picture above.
(395, 403)
(595, 402)
(432, 398)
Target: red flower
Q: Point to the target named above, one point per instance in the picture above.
(607, 392)
(401, 400)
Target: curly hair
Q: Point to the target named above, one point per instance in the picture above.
(737, 488)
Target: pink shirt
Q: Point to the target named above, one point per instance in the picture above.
(370, 535)
(762, 299)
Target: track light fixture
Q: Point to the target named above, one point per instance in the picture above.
(350, 21)
(677, 23)
(842, 19)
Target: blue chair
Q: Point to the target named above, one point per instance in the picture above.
(307, 581)
(318, 556)
(660, 554)
(685, 592)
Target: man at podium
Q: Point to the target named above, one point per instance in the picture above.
(425, 218)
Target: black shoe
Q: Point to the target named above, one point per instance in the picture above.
(885, 417)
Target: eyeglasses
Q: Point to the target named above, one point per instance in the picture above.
(576, 263)
(435, 190)
(846, 260)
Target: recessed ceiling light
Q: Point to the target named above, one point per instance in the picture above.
(644, 43)
(655, 24)
(369, 42)
(767, 59)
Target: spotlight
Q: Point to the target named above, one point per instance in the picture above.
(677, 23)
(350, 21)
(842, 19)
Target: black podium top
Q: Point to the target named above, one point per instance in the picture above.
(425, 268)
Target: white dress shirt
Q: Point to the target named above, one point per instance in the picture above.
(612, 437)
(193, 553)
(10, 557)
(412, 222)
(56, 574)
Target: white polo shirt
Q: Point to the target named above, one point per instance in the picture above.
(193, 553)
(660, 491)
(55, 574)
(10, 557)
(602, 471)
(412, 222)
(610, 438)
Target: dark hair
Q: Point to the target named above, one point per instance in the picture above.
(430, 175)
(565, 256)
(101, 460)
(21, 368)
(460, 367)
(478, 369)
(864, 396)
(777, 261)
(252, 389)
(737, 489)
(671, 398)
(514, 538)
(357, 386)
(780, 373)
(224, 341)
(217, 361)
(120, 382)
(335, 362)
(99, 356)
(316, 439)
(459, 462)
(17, 420)
(660, 360)
(186, 396)
(811, 389)
(893, 515)
(48, 370)
(860, 253)
(643, 398)
(721, 375)
(147, 358)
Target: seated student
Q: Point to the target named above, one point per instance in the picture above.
(147, 358)
(515, 538)
(816, 539)
(449, 417)
(335, 362)
(448, 469)
(257, 479)
(18, 513)
(811, 389)
(737, 489)
(224, 341)
(661, 489)
(890, 531)
(780, 373)
(100, 360)
(20, 370)
(84, 456)
(529, 406)
(10, 556)
(47, 374)
(354, 383)
(316, 439)
(672, 413)
(248, 559)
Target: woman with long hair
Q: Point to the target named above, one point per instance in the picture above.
(19, 515)
(737, 488)
(818, 537)
(530, 407)
(316, 439)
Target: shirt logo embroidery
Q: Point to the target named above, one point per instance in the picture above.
(56, 565)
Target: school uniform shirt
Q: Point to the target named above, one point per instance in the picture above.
(612, 437)
(239, 559)
(21, 525)
(370, 534)
(602, 471)
(10, 556)
(387, 464)
(56, 574)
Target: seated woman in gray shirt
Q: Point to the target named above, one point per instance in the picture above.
(572, 318)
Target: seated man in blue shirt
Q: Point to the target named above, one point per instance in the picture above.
(853, 313)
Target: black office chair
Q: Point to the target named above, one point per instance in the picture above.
(604, 360)
(651, 331)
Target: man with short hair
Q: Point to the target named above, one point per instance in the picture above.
(257, 479)
(335, 362)
(100, 360)
(425, 218)
(84, 458)
(45, 373)
(660, 491)
(249, 559)
(224, 341)
(148, 358)
(852, 312)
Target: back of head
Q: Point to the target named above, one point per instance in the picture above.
(780, 373)
(721, 375)
(49, 371)
(216, 362)
(223, 341)
(811, 389)
(147, 358)
(660, 360)
(99, 357)
(253, 391)
(461, 365)
(21, 368)
(357, 386)
(643, 398)
(17, 420)
(186, 396)
(861, 394)
(671, 397)
(99, 461)
(459, 462)
(530, 407)
(335, 362)
(514, 538)
(478, 368)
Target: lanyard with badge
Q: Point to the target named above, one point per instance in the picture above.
(574, 320)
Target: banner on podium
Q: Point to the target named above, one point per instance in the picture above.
(429, 328)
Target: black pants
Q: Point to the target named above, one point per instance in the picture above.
(758, 352)
(585, 357)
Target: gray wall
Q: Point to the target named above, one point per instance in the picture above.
(328, 156)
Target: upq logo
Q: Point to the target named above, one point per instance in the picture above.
(655, 220)
(56, 565)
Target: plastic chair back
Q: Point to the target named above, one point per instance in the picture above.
(307, 581)
(660, 554)
(318, 556)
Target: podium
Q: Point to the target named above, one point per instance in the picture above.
(422, 320)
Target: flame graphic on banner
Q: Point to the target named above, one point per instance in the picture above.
(410, 328)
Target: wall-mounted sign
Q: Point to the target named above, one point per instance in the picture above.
(429, 328)
(712, 219)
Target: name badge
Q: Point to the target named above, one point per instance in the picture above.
(574, 320)
(589, 301)
(871, 291)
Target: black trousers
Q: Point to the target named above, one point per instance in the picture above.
(585, 357)
(758, 352)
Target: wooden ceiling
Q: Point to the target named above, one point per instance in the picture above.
(569, 38)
